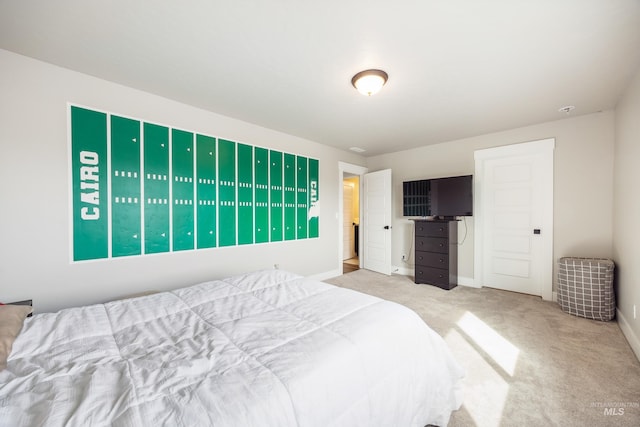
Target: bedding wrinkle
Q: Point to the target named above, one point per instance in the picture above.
(322, 326)
(308, 319)
(134, 407)
(315, 329)
(290, 405)
(60, 329)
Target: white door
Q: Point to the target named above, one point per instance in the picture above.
(514, 190)
(349, 247)
(376, 197)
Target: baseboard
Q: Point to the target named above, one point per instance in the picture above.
(463, 281)
(632, 339)
(401, 270)
(467, 281)
(325, 275)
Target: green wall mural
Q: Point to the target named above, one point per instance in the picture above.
(140, 188)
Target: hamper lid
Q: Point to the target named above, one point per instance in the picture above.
(584, 260)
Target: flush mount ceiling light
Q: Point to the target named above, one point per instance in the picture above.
(369, 82)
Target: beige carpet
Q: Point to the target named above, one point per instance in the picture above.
(528, 363)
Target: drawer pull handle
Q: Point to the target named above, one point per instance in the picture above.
(441, 245)
(441, 260)
(441, 229)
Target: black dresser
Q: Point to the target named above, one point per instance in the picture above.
(436, 260)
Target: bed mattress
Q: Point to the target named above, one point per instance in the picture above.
(268, 348)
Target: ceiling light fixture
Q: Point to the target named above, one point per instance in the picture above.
(369, 82)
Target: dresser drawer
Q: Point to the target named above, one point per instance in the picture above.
(432, 244)
(432, 259)
(433, 229)
(432, 276)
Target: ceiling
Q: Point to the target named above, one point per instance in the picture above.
(457, 68)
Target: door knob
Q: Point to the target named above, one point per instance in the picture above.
(386, 227)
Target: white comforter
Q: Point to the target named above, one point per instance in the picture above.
(263, 349)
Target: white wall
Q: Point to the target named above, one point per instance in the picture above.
(626, 231)
(34, 186)
(583, 197)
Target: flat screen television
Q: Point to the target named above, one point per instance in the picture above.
(439, 197)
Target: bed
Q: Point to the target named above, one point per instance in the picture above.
(267, 348)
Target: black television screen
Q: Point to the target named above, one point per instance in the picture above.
(442, 197)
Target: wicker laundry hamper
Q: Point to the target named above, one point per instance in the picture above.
(585, 287)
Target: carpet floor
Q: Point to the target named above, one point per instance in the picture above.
(527, 362)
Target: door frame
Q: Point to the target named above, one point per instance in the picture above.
(353, 170)
(545, 148)
(346, 188)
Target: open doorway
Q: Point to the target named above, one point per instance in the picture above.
(345, 171)
(350, 222)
